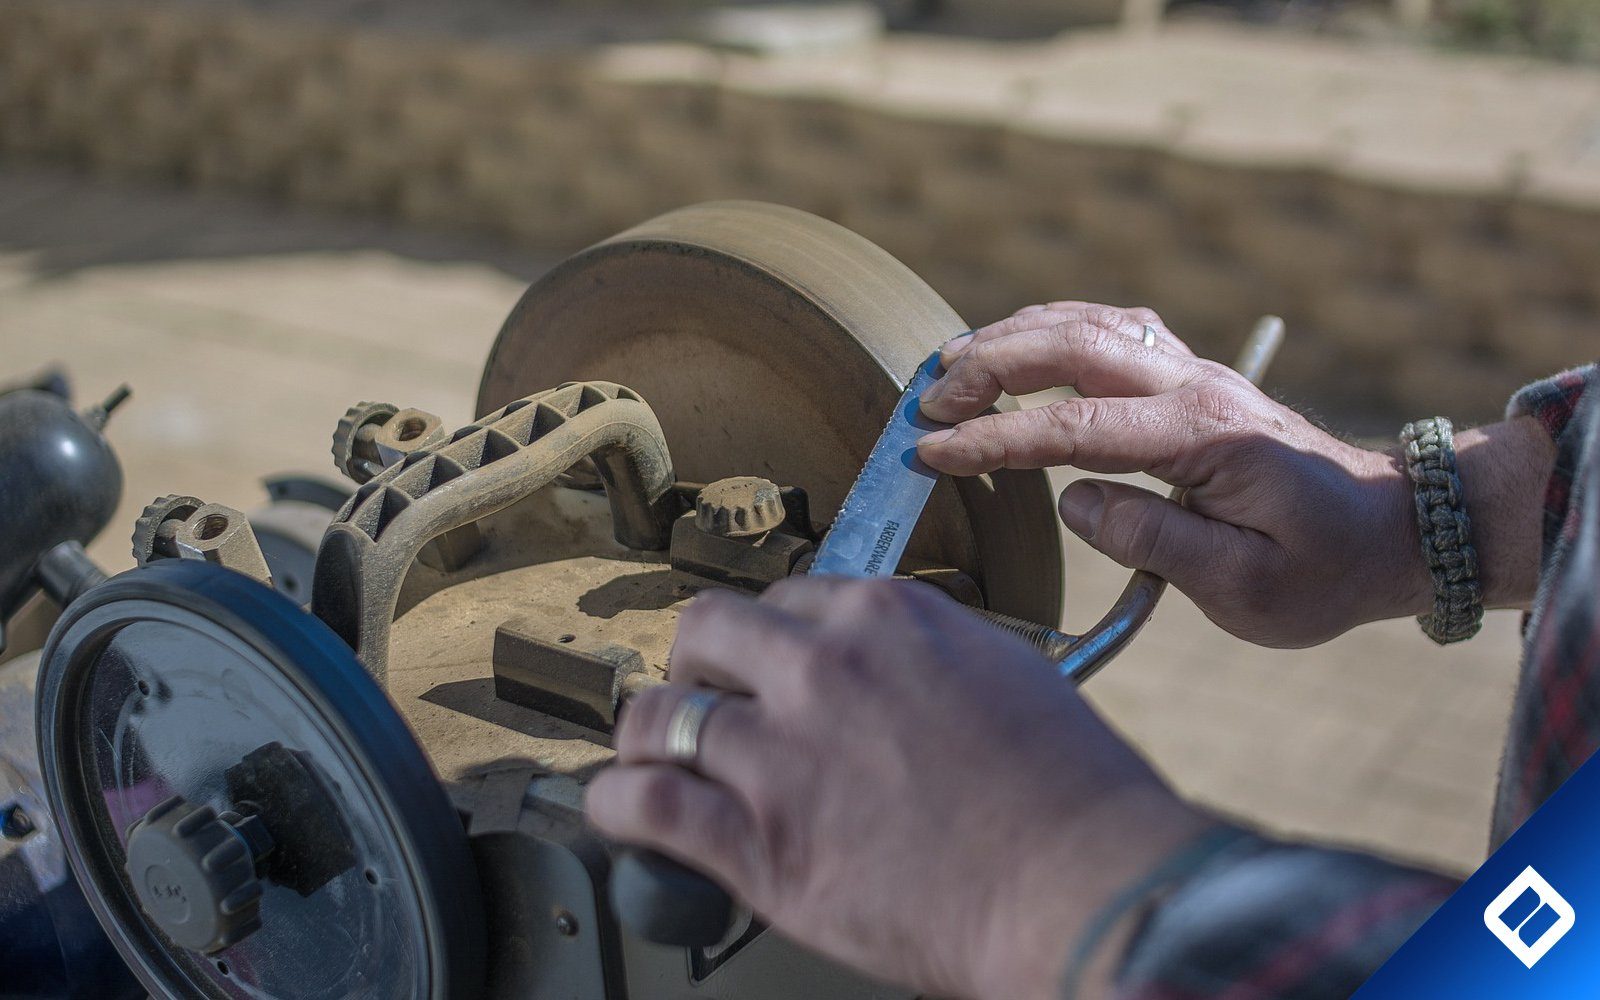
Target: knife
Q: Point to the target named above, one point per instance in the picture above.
(873, 527)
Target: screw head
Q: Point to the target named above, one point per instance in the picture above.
(15, 823)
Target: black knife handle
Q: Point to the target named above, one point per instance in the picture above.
(665, 902)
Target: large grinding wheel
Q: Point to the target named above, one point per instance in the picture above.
(771, 342)
(245, 810)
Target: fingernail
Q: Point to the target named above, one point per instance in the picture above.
(936, 436)
(953, 347)
(1081, 503)
(932, 392)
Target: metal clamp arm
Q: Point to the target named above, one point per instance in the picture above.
(482, 468)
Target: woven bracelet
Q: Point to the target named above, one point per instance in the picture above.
(1446, 531)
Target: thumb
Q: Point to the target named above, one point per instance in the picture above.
(1144, 530)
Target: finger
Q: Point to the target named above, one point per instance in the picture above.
(1158, 435)
(1144, 530)
(1128, 319)
(1145, 321)
(808, 597)
(729, 734)
(1057, 304)
(819, 598)
(693, 819)
(731, 641)
(1033, 318)
(1087, 357)
(1131, 322)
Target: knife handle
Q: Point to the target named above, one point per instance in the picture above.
(665, 902)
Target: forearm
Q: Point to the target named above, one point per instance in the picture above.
(1071, 877)
(1198, 909)
(1291, 921)
(1504, 470)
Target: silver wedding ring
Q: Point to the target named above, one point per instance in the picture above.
(1149, 335)
(684, 725)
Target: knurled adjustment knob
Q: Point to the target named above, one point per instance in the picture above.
(739, 507)
(153, 531)
(354, 452)
(195, 873)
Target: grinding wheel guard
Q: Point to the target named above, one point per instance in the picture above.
(484, 467)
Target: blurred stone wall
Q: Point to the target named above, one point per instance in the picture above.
(1419, 274)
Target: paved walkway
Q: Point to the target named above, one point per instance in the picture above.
(246, 329)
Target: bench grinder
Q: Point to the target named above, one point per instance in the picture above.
(379, 793)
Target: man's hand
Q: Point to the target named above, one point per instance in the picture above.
(1288, 536)
(896, 784)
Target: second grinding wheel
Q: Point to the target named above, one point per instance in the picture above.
(244, 808)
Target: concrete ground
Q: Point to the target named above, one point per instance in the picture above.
(245, 329)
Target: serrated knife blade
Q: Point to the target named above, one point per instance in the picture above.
(873, 527)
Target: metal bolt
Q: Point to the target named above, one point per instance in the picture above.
(15, 823)
(96, 416)
(566, 924)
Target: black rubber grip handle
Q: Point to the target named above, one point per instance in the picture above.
(662, 901)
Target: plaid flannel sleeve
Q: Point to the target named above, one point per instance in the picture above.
(1555, 719)
(1273, 920)
(1554, 402)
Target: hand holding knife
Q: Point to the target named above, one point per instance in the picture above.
(668, 903)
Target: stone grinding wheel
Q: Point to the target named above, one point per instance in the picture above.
(771, 342)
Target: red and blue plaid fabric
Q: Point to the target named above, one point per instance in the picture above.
(1555, 724)
(1272, 920)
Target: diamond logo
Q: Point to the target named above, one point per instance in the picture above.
(1529, 917)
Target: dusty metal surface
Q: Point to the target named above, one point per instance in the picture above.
(774, 343)
(551, 562)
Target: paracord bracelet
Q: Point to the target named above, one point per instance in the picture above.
(1446, 531)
